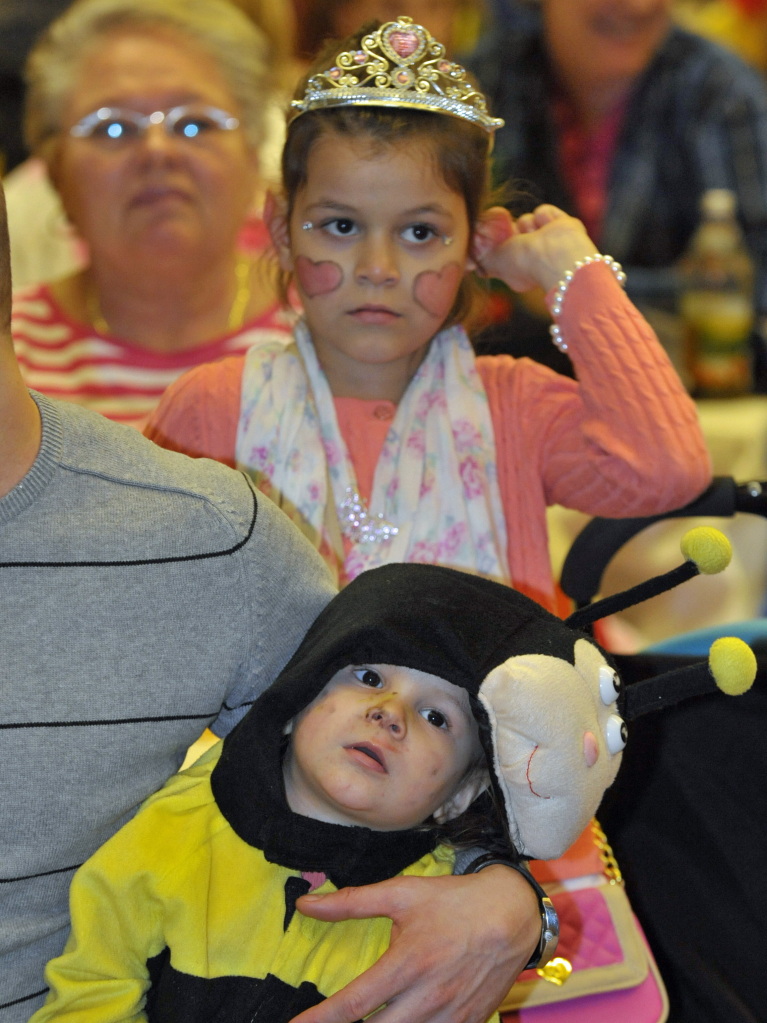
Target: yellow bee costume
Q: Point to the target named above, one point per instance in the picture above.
(178, 918)
(188, 914)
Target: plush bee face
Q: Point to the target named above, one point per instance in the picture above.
(556, 738)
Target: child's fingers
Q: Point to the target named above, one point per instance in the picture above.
(495, 227)
(526, 223)
(546, 213)
(540, 217)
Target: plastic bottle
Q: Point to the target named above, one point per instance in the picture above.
(716, 301)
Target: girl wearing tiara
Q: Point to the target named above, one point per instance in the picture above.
(377, 430)
(385, 440)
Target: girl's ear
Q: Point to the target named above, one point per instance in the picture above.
(475, 782)
(494, 227)
(276, 219)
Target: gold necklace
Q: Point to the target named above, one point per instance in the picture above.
(242, 275)
(237, 311)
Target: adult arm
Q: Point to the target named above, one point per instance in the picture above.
(19, 419)
(458, 944)
(716, 108)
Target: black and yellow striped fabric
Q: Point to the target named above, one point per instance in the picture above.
(177, 917)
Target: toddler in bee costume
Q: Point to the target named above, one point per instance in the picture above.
(417, 688)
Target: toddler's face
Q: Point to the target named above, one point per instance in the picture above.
(385, 747)
(378, 245)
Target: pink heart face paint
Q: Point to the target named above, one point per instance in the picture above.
(321, 278)
(435, 290)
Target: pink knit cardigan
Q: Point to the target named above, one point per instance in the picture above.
(621, 440)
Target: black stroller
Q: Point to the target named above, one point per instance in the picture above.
(687, 815)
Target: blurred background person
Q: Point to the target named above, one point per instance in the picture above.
(149, 117)
(456, 23)
(624, 119)
(739, 24)
(44, 245)
(21, 21)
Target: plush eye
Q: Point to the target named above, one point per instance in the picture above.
(609, 684)
(615, 734)
(368, 677)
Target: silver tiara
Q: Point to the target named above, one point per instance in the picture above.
(399, 65)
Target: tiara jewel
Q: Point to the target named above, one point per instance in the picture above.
(398, 65)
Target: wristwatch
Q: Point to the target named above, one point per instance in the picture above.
(547, 945)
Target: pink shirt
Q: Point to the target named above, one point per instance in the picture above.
(622, 440)
(66, 359)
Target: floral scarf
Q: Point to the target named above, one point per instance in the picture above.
(435, 495)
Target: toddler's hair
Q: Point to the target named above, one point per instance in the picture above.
(459, 150)
(483, 823)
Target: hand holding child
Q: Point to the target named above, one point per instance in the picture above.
(536, 250)
(444, 965)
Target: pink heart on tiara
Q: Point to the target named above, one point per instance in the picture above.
(404, 42)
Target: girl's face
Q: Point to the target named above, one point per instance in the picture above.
(385, 747)
(378, 245)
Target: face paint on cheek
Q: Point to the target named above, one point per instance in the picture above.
(435, 291)
(318, 278)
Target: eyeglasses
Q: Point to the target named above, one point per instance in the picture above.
(113, 126)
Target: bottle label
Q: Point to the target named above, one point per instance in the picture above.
(718, 329)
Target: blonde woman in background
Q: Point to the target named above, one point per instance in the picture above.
(162, 203)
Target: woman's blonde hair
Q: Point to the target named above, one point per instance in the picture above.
(216, 27)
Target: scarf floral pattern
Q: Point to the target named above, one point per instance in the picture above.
(435, 492)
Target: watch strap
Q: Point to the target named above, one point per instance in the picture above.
(549, 939)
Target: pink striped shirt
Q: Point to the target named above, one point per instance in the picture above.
(69, 360)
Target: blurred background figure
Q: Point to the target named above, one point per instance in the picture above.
(149, 116)
(44, 244)
(456, 23)
(624, 119)
(21, 21)
(739, 24)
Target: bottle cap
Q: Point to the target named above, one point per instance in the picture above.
(718, 202)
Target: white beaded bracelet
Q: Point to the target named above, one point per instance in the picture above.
(564, 284)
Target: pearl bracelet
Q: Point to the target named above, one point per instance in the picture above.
(564, 284)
